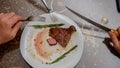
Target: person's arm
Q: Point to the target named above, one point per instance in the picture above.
(115, 40)
(9, 26)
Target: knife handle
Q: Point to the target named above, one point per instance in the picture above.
(116, 33)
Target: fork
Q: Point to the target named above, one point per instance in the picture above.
(31, 18)
(52, 13)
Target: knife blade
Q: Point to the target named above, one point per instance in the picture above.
(90, 21)
(88, 27)
(95, 23)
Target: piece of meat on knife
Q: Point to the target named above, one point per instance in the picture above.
(62, 35)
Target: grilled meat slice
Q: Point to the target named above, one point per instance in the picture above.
(51, 41)
(62, 35)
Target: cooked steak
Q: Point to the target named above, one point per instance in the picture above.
(62, 35)
(51, 41)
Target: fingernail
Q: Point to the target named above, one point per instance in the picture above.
(12, 12)
(1, 13)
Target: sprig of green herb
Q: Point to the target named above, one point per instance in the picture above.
(64, 55)
(48, 25)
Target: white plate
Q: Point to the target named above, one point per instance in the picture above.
(26, 44)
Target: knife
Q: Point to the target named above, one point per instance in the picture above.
(95, 23)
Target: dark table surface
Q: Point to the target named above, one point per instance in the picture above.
(94, 55)
(10, 55)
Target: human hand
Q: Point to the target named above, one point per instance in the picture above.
(9, 26)
(115, 40)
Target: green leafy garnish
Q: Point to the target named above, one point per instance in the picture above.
(64, 55)
(48, 25)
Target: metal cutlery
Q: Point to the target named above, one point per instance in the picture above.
(95, 23)
(52, 13)
(30, 18)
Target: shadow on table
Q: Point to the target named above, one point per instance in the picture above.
(37, 5)
(107, 42)
(10, 46)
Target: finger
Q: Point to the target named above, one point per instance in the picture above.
(9, 15)
(4, 18)
(118, 30)
(13, 20)
(1, 15)
(114, 39)
(16, 28)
